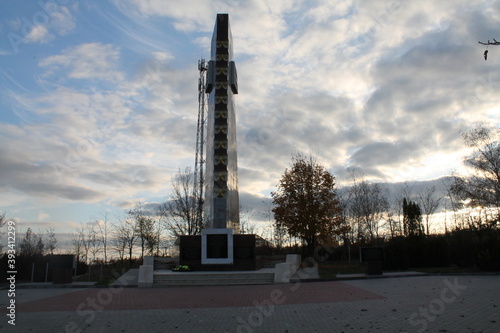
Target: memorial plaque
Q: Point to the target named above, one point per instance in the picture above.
(217, 246)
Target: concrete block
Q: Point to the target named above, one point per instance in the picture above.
(293, 259)
(148, 260)
(145, 276)
(284, 271)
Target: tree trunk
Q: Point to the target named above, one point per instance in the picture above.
(311, 244)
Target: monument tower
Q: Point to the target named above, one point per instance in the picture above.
(221, 195)
(220, 246)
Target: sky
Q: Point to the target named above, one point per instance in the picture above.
(99, 98)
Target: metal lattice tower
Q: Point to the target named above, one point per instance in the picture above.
(199, 180)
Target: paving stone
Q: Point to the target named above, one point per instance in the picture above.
(410, 304)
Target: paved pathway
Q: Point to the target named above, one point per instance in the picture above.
(411, 304)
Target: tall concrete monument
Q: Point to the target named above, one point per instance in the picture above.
(221, 198)
(221, 205)
(220, 246)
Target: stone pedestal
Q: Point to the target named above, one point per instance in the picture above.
(243, 254)
(146, 272)
(146, 276)
(284, 271)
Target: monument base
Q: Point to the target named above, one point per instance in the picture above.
(217, 247)
(242, 252)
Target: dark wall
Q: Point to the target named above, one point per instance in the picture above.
(243, 254)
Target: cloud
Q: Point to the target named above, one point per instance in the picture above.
(62, 21)
(39, 34)
(254, 207)
(71, 155)
(22, 171)
(187, 16)
(88, 146)
(382, 86)
(46, 23)
(357, 85)
(87, 61)
(384, 153)
(42, 216)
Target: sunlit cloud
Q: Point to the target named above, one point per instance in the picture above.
(105, 111)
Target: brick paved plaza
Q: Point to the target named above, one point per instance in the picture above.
(410, 304)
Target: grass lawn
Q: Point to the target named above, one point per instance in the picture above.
(329, 270)
(447, 270)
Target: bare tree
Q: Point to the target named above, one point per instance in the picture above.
(481, 186)
(145, 229)
(348, 230)
(124, 238)
(179, 212)
(3, 221)
(392, 222)
(76, 241)
(86, 237)
(367, 205)
(93, 239)
(246, 226)
(278, 234)
(83, 241)
(429, 203)
(50, 245)
(454, 204)
(103, 227)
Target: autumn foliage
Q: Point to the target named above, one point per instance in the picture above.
(306, 204)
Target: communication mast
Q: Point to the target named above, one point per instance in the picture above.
(199, 180)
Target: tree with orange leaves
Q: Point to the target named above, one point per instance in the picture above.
(306, 203)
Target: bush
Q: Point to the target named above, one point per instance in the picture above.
(396, 254)
(437, 251)
(462, 247)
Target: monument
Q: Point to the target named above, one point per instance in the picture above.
(221, 202)
(220, 246)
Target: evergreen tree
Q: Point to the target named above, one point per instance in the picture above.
(31, 245)
(412, 218)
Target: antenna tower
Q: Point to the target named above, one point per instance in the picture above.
(199, 180)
